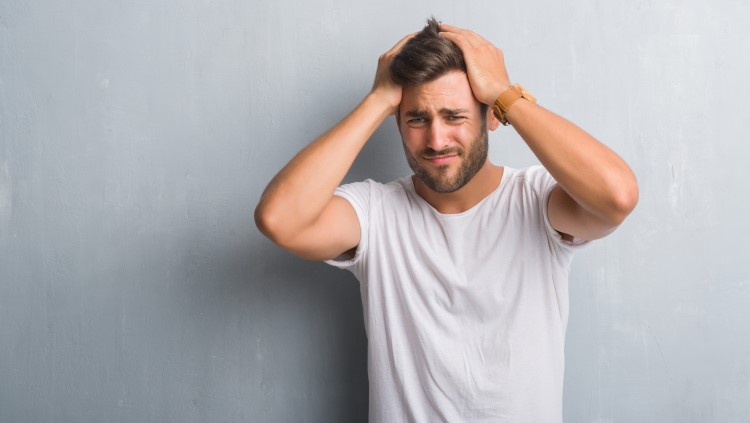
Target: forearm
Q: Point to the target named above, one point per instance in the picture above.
(592, 174)
(297, 195)
(600, 188)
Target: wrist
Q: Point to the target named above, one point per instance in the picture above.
(377, 106)
(507, 99)
(384, 100)
(496, 93)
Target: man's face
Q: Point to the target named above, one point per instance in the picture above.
(444, 132)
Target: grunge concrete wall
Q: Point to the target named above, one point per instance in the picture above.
(136, 138)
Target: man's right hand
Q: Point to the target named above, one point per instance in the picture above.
(298, 210)
(384, 87)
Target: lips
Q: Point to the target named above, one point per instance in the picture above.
(439, 160)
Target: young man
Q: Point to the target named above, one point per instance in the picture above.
(464, 265)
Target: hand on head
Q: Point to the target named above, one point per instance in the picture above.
(383, 84)
(485, 64)
(485, 67)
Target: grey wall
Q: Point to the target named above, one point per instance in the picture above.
(136, 138)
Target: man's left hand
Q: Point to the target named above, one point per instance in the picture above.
(485, 64)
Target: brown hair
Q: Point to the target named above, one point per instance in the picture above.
(426, 57)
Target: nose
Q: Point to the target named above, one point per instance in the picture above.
(437, 136)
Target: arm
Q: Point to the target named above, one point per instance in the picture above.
(596, 188)
(298, 210)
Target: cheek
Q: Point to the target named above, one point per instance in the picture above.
(468, 133)
(412, 136)
(459, 134)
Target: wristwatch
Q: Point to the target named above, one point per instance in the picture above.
(507, 98)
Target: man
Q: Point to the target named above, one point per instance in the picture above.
(464, 265)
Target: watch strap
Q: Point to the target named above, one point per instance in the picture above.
(507, 98)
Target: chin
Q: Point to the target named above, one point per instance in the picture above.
(443, 185)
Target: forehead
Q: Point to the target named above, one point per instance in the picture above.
(450, 91)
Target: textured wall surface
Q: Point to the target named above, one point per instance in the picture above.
(136, 138)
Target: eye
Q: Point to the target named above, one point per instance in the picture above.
(417, 121)
(455, 118)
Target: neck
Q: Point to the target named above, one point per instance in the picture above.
(480, 186)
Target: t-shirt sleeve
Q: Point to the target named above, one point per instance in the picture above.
(543, 183)
(358, 194)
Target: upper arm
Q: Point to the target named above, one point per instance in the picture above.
(570, 218)
(335, 232)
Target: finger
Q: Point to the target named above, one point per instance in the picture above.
(451, 28)
(457, 38)
(395, 49)
(469, 34)
(463, 42)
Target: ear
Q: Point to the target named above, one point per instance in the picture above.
(492, 122)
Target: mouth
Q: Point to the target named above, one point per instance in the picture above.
(440, 160)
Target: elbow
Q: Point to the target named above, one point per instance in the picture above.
(261, 219)
(623, 202)
(266, 222)
(274, 224)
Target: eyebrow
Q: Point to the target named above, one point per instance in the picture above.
(443, 111)
(447, 111)
(415, 113)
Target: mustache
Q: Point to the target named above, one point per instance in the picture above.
(429, 153)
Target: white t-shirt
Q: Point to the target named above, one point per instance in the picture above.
(465, 313)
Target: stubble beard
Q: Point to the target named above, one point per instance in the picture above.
(473, 160)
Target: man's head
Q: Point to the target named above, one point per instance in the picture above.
(443, 126)
(425, 57)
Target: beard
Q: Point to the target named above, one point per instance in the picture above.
(472, 162)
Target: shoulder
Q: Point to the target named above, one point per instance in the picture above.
(538, 185)
(368, 191)
(534, 178)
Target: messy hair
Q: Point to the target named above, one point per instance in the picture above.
(426, 57)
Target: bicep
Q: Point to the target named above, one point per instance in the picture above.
(335, 232)
(570, 218)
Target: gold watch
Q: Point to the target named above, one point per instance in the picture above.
(507, 98)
